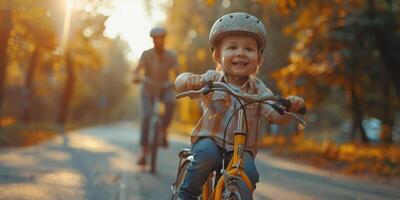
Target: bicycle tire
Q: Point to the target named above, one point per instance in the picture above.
(156, 128)
(236, 189)
(180, 177)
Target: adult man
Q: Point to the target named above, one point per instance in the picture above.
(157, 64)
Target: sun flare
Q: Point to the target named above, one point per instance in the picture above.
(132, 23)
(67, 22)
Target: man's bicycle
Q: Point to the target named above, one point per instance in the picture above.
(155, 137)
(231, 182)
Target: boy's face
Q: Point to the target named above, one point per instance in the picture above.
(238, 55)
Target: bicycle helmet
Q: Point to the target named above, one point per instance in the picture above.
(238, 22)
(158, 32)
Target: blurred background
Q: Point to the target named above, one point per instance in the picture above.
(66, 64)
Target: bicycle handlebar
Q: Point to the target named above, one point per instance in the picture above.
(212, 86)
(220, 85)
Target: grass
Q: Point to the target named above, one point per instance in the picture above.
(17, 134)
(351, 158)
(21, 135)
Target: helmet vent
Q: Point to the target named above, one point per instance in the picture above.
(235, 23)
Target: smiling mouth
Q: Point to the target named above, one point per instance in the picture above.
(240, 63)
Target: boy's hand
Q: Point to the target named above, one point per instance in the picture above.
(210, 75)
(195, 81)
(296, 103)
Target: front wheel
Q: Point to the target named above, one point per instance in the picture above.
(236, 189)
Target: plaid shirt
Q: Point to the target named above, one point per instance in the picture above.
(219, 106)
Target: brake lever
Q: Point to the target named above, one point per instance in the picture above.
(302, 122)
(282, 103)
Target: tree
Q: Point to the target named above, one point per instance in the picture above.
(80, 53)
(338, 47)
(5, 28)
(40, 36)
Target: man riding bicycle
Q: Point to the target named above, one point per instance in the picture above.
(157, 63)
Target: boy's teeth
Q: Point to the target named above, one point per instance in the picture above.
(239, 63)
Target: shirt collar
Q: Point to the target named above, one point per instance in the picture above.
(247, 86)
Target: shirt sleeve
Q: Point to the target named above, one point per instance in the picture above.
(266, 109)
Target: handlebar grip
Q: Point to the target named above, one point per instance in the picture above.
(278, 108)
(284, 102)
(288, 104)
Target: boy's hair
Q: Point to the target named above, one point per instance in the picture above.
(238, 22)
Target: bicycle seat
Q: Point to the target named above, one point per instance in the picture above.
(185, 152)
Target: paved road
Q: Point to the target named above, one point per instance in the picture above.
(98, 163)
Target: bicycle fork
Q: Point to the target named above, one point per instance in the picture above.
(235, 165)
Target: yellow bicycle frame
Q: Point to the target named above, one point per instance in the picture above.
(234, 168)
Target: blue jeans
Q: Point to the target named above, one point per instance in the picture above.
(207, 158)
(168, 98)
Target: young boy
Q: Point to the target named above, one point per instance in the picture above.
(237, 42)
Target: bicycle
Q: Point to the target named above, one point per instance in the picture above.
(155, 124)
(231, 182)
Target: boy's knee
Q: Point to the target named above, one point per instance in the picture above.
(207, 159)
(206, 153)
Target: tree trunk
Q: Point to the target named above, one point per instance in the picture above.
(357, 113)
(357, 118)
(388, 43)
(5, 28)
(68, 90)
(28, 85)
(388, 119)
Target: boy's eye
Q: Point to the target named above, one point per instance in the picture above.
(232, 47)
(250, 49)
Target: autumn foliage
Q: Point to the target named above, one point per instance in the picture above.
(340, 56)
(349, 158)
